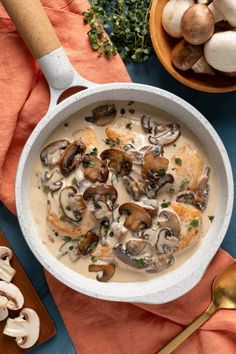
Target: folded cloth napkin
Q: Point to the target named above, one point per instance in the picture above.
(95, 326)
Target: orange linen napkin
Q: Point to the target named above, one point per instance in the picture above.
(95, 326)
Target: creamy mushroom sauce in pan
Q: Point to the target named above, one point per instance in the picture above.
(122, 192)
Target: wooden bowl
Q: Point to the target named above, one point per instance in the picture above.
(163, 45)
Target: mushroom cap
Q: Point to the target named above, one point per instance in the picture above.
(202, 190)
(5, 252)
(102, 115)
(123, 255)
(107, 270)
(52, 181)
(89, 243)
(154, 165)
(72, 204)
(71, 157)
(197, 24)
(137, 216)
(51, 154)
(220, 51)
(95, 169)
(102, 192)
(228, 10)
(6, 271)
(120, 161)
(13, 295)
(185, 55)
(172, 14)
(171, 222)
(166, 243)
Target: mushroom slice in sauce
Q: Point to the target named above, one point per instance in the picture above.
(166, 242)
(137, 217)
(89, 243)
(151, 205)
(72, 204)
(160, 263)
(154, 164)
(52, 182)
(136, 155)
(51, 154)
(103, 231)
(95, 169)
(102, 115)
(72, 249)
(134, 184)
(202, 191)
(154, 186)
(71, 157)
(140, 248)
(124, 256)
(171, 221)
(107, 270)
(120, 161)
(187, 197)
(101, 193)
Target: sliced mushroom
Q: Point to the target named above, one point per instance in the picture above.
(134, 184)
(154, 164)
(102, 115)
(107, 270)
(160, 263)
(137, 217)
(10, 298)
(140, 248)
(52, 182)
(118, 229)
(161, 134)
(72, 204)
(123, 255)
(197, 24)
(154, 186)
(6, 271)
(103, 231)
(71, 249)
(202, 191)
(148, 234)
(120, 161)
(25, 328)
(136, 155)
(171, 221)
(89, 243)
(187, 197)
(166, 242)
(151, 205)
(95, 169)
(51, 154)
(71, 157)
(150, 126)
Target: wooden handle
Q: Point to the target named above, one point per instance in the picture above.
(180, 338)
(33, 25)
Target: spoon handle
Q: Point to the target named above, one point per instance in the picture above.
(174, 343)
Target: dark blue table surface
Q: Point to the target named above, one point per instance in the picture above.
(219, 109)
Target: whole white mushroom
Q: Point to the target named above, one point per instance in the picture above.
(228, 10)
(172, 14)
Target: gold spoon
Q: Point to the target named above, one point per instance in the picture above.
(223, 297)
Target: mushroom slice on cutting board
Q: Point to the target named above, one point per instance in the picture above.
(119, 161)
(52, 181)
(10, 298)
(71, 157)
(6, 271)
(51, 154)
(137, 216)
(72, 204)
(102, 115)
(25, 328)
(95, 169)
(107, 270)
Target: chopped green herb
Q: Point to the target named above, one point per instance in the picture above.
(122, 111)
(130, 103)
(171, 190)
(111, 234)
(71, 248)
(129, 126)
(68, 208)
(211, 217)
(90, 164)
(140, 261)
(94, 152)
(93, 246)
(194, 223)
(158, 224)
(67, 238)
(48, 201)
(46, 189)
(112, 143)
(178, 161)
(161, 172)
(74, 181)
(81, 239)
(93, 259)
(184, 183)
(126, 147)
(165, 204)
(132, 111)
(174, 145)
(63, 218)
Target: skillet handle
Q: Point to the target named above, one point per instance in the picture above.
(33, 25)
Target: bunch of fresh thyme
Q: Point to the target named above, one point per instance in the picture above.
(126, 22)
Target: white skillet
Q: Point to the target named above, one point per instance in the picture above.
(37, 32)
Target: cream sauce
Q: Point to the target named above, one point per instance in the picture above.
(38, 198)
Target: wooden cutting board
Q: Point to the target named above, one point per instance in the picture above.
(32, 300)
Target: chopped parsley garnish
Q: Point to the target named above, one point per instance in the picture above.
(67, 238)
(90, 164)
(71, 248)
(63, 218)
(74, 181)
(48, 201)
(171, 190)
(93, 246)
(161, 172)
(185, 183)
(68, 208)
(158, 224)
(178, 161)
(81, 239)
(111, 234)
(46, 189)
(140, 261)
(93, 259)
(129, 126)
(131, 111)
(194, 223)
(112, 143)
(165, 204)
(122, 111)
(174, 145)
(126, 147)
(211, 217)
(94, 152)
